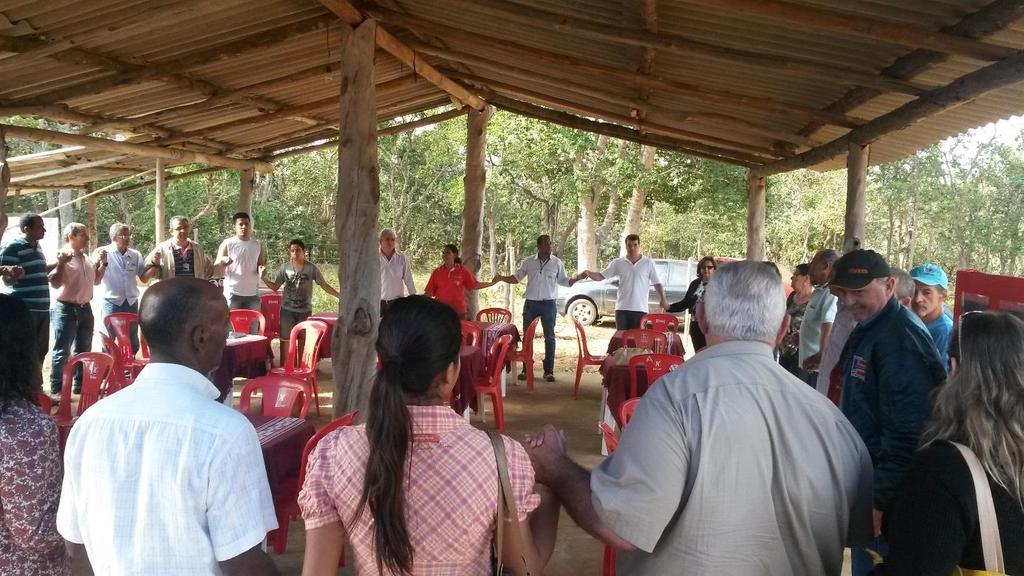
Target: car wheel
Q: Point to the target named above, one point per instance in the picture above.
(584, 311)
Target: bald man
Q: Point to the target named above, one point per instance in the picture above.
(161, 467)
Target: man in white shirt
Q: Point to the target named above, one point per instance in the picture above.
(636, 274)
(819, 315)
(120, 284)
(544, 273)
(242, 258)
(395, 272)
(160, 478)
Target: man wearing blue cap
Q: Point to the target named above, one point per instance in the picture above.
(929, 298)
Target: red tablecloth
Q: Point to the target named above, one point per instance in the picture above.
(615, 377)
(491, 331)
(472, 366)
(675, 343)
(282, 441)
(329, 318)
(245, 356)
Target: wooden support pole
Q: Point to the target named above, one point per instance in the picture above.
(756, 202)
(5, 180)
(357, 209)
(146, 151)
(856, 185)
(160, 205)
(473, 184)
(90, 221)
(246, 179)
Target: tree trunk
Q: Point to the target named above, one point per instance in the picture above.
(510, 257)
(5, 181)
(856, 184)
(492, 241)
(635, 214)
(756, 193)
(160, 203)
(90, 220)
(586, 243)
(473, 187)
(356, 212)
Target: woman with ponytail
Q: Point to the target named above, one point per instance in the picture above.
(449, 281)
(415, 490)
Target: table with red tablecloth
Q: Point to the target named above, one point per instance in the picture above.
(245, 356)
(675, 343)
(615, 379)
(329, 318)
(491, 331)
(282, 441)
(470, 368)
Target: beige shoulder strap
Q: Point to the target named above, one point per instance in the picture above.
(991, 545)
(507, 509)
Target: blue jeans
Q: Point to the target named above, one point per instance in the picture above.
(628, 319)
(109, 308)
(546, 310)
(72, 324)
(862, 563)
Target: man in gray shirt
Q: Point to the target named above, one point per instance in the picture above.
(297, 276)
(730, 465)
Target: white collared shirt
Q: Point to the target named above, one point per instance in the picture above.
(119, 281)
(395, 276)
(543, 277)
(161, 479)
(635, 281)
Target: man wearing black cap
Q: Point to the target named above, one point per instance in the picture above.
(888, 370)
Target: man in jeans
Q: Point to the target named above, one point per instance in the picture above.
(544, 273)
(818, 317)
(242, 257)
(297, 277)
(25, 278)
(120, 282)
(73, 277)
(636, 274)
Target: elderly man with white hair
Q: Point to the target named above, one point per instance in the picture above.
(730, 465)
(396, 279)
(120, 284)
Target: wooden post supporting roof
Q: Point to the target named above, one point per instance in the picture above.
(473, 187)
(856, 184)
(246, 180)
(160, 203)
(756, 198)
(5, 180)
(355, 224)
(90, 222)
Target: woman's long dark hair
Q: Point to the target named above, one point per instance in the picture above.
(417, 341)
(454, 250)
(20, 372)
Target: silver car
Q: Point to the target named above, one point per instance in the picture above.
(587, 301)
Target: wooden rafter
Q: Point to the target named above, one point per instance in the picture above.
(541, 59)
(679, 44)
(900, 33)
(400, 50)
(22, 178)
(964, 89)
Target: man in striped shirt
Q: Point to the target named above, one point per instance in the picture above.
(27, 279)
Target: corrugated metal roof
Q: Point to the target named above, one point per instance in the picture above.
(251, 58)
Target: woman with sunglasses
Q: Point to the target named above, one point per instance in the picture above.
(933, 527)
(694, 294)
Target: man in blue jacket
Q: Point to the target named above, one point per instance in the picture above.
(888, 369)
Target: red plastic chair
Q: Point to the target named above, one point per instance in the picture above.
(525, 353)
(119, 327)
(280, 394)
(651, 340)
(611, 439)
(660, 321)
(489, 384)
(241, 321)
(494, 315)
(44, 402)
(471, 333)
(654, 365)
(96, 367)
(627, 409)
(278, 539)
(119, 375)
(584, 357)
(270, 307)
(313, 332)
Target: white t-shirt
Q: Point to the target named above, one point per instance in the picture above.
(635, 281)
(162, 479)
(242, 276)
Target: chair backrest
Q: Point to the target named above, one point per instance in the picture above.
(119, 327)
(611, 440)
(120, 376)
(496, 359)
(471, 333)
(528, 336)
(494, 315)
(627, 409)
(581, 339)
(96, 367)
(344, 420)
(660, 321)
(241, 321)
(270, 307)
(651, 340)
(654, 366)
(44, 402)
(312, 332)
(280, 394)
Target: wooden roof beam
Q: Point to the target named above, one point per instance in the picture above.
(144, 150)
(964, 89)
(66, 169)
(682, 45)
(899, 33)
(541, 59)
(400, 50)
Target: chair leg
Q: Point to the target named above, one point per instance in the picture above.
(316, 393)
(579, 374)
(499, 411)
(608, 564)
(528, 366)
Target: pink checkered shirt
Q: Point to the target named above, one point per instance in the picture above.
(451, 492)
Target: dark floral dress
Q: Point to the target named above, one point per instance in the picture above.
(789, 351)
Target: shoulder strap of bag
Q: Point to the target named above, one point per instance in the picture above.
(991, 545)
(507, 510)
